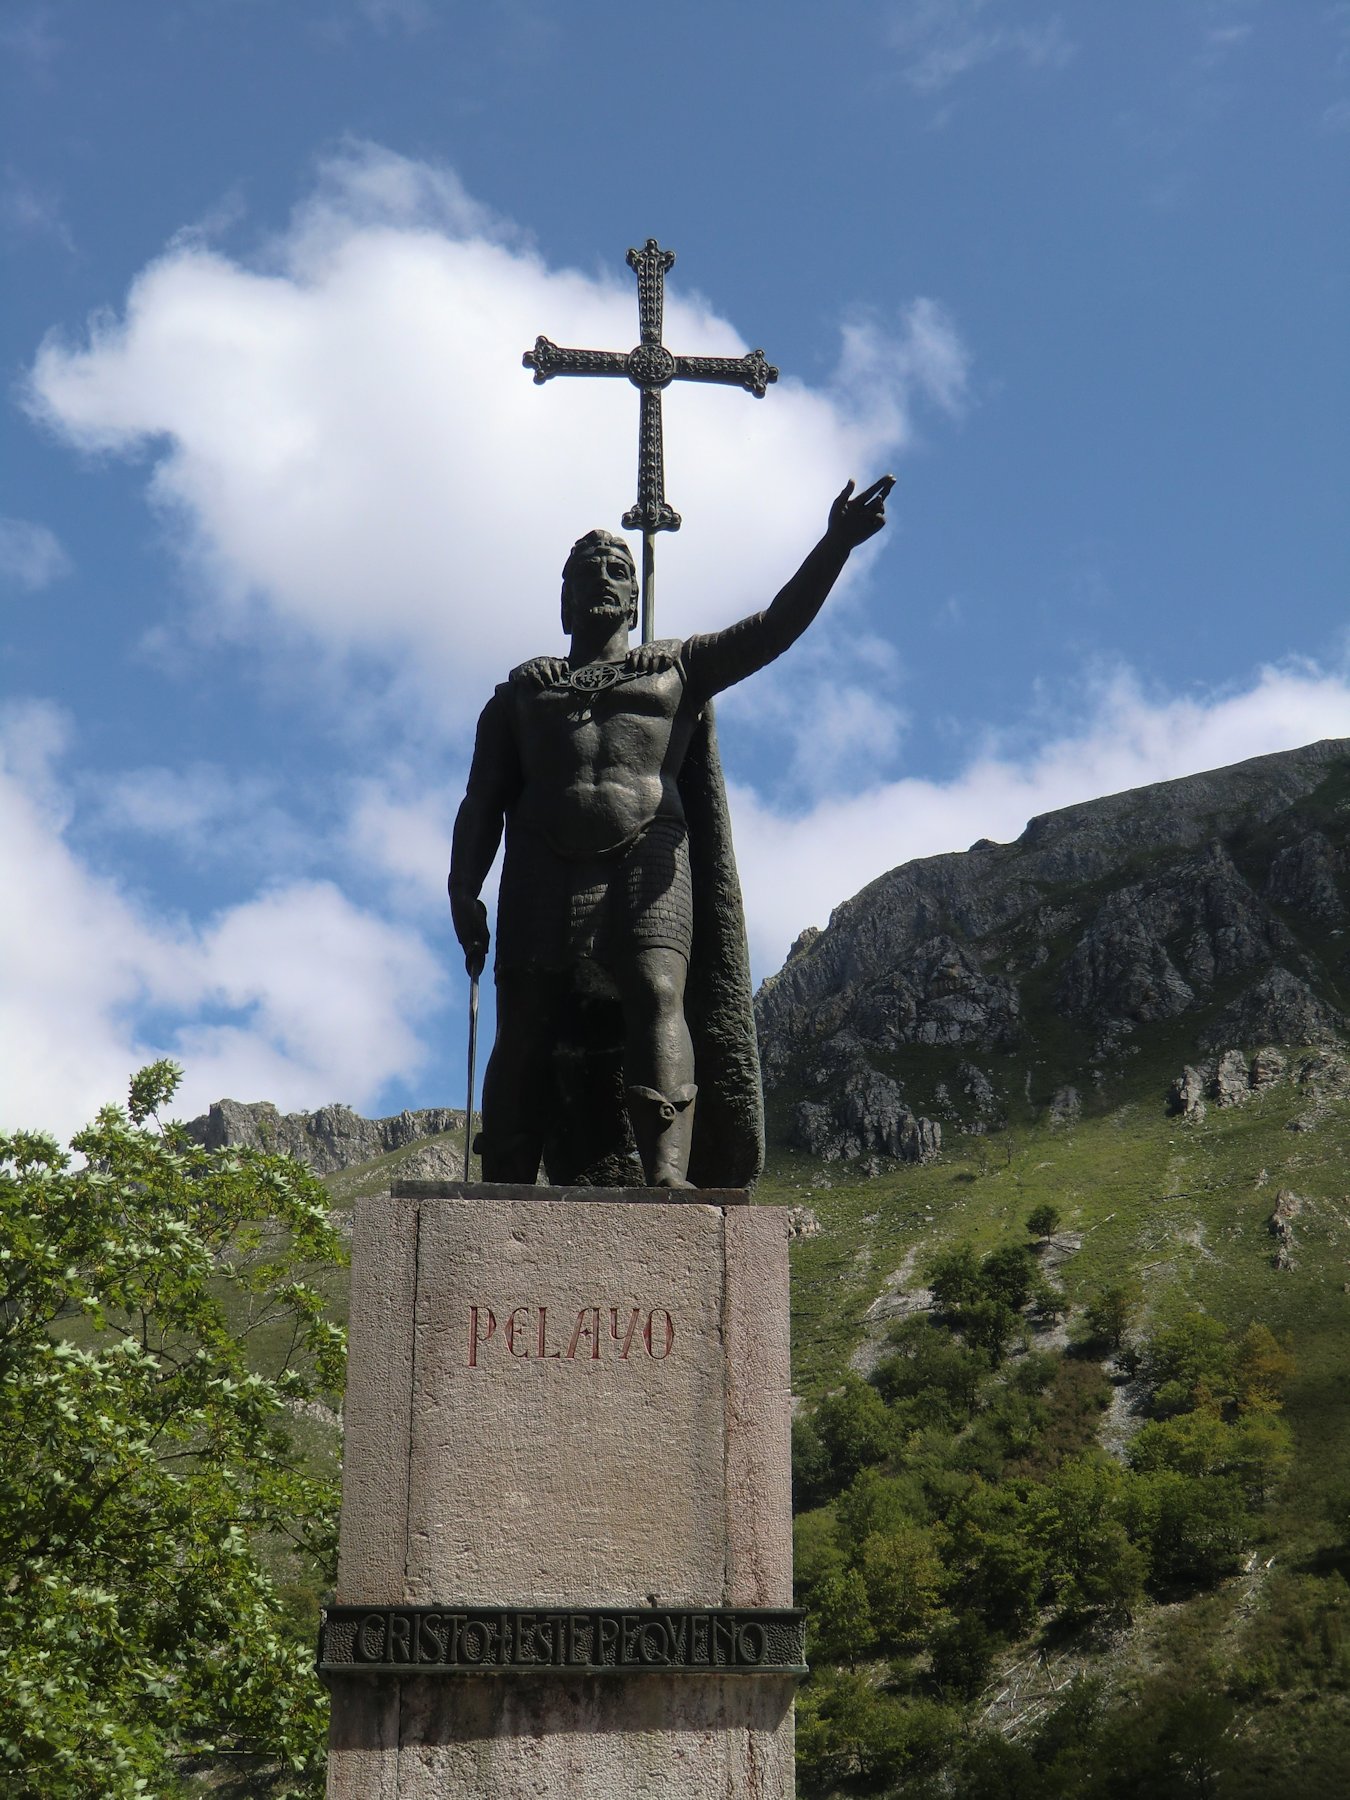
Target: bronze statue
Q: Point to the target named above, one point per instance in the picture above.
(617, 887)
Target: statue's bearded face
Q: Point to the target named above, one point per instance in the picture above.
(599, 583)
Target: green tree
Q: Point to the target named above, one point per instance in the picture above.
(1048, 1302)
(988, 1325)
(1094, 1565)
(1194, 1444)
(1043, 1221)
(1193, 1526)
(998, 1551)
(841, 1628)
(812, 1474)
(157, 1323)
(933, 1369)
(1111, 1311)
(816, 1552)
(1257, 1448)
(963, 1654)
(1174, 1741)
(903, 1570)
(1262, 1454)
(1262, 1368)
(875, 1502)
(954, 1276)
(854, 1428)
(1188, 1364)
(1007, 1275)
(849, 1732)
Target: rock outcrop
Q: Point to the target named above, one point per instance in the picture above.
(1280, 1008)
(1288, 1206)
(866, 1115)
(330, 1139)
(1215, 901)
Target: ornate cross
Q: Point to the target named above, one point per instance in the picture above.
(651, 367)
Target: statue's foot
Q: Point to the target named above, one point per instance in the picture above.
(671, 1181)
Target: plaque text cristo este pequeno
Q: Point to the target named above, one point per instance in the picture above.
(500, 1640)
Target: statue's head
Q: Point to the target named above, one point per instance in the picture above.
(596, 560)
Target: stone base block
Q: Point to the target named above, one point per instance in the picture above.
(648, 1737)
(563, 1401)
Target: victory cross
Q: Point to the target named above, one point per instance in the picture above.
(623, 990)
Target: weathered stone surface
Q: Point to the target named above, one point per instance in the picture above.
(1232, 1079)
(979, 1092)
(1288, 1206)
(372, 1555)
(1303, 876)
(1268, 1067)
(578, 1510)
(574, 1738)
(802, 1222)
(560, 1403)
(433, 1162)
(330, 1139)
(1187, 1094)
(868, 1116)
(1280, 1008)
(1155, 946)
(756, 1526)
(1066, 1107)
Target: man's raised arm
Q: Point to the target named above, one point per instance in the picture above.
(719, 659)
(494, 782)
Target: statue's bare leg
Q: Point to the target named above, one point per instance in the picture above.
(517, 1082)
(658, 1062)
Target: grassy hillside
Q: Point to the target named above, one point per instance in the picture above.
(1182, 1210)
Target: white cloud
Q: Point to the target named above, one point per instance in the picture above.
(349, 452)
(29, 210)
(331, 995)
(26, 34)
(828, 714)
(1219, 40)
(399, 832)
(796, 868)
(31, 555)
(296, 995)
(404, 15)
(941, 40)
(206, 814)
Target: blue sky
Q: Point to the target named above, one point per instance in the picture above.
(280, 504)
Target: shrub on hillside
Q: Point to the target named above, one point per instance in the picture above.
(1043, 1221)
(1110, 1312)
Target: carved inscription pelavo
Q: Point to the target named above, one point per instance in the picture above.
(538, 1333)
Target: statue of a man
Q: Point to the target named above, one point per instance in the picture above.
(585, 761)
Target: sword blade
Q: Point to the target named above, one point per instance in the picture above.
(473, 1057)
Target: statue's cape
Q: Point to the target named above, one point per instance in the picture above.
(728, 1147)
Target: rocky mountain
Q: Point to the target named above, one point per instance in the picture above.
(332, 1139)
(1201, 918)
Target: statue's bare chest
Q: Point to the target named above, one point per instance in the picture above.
(603, 717)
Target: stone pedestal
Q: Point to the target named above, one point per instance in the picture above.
(567, 1436)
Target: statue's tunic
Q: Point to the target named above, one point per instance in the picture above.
(554, 911)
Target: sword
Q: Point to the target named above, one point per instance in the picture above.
(475, 970)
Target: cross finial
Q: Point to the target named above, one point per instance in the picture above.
(651, 367)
